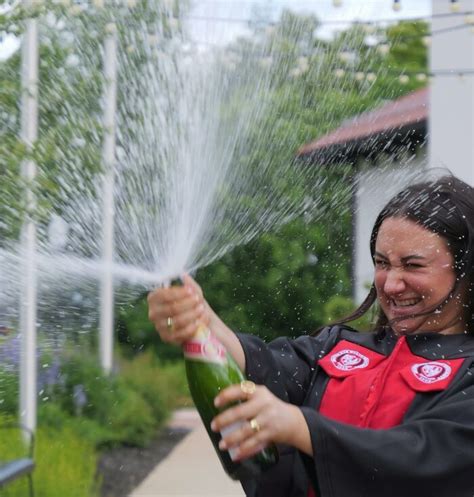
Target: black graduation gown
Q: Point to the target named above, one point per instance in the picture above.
(430, 453)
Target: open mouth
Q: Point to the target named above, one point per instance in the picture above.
(405, 307)
(406, 303)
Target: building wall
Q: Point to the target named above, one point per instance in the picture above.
(375, 185)
(451, 126)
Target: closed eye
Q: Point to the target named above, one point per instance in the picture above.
(413, 265)
(380, 263)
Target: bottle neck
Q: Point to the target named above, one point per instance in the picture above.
(205, 347)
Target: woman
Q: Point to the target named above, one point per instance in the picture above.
(389, 413)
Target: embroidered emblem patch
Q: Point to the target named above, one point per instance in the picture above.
(346, 360)
(431, 372)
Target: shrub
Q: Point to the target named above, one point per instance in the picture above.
(163, 386)
(107, 409)
(9, 387)
(337, 307)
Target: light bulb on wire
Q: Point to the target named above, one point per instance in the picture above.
(455, 6)
(337, 3)
(469, 19)
(404, 79)
(396, 6)
(370, 77)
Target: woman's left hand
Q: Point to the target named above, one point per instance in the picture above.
(264, 419)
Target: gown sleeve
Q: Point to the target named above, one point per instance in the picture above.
(430, 454)
(284, 366)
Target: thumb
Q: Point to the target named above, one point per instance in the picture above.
(189, 282)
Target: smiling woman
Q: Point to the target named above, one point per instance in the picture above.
(368, 414)
(414, 276)
(422, 245)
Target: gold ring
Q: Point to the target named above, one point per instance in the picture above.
(170, 324)
(254, 425)
(248, 387)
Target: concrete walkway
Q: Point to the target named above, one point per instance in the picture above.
(191, 469)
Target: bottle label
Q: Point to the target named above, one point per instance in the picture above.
(227, 431)
(205, 347)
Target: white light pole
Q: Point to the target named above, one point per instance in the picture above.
(108, 157)
(29, 133)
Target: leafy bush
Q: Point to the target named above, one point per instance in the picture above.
(163, 386)
(9, 387)
(123, 408)
(115, 411)
(278, 285)
(82, 410)
(337, 308)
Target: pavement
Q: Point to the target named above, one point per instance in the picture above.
(192, 468)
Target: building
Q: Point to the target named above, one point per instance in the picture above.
(387, 147)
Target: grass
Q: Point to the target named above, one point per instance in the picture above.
(126, 409)
(65, 463)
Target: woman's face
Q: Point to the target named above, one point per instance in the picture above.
(414, 272)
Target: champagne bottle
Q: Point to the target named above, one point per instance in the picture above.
(210, 369)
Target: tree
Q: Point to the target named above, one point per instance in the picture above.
(284, 282)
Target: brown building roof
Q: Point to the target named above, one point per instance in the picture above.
(400, 122)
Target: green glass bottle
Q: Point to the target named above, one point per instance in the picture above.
(210, 369)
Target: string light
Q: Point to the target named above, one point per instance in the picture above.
(75, 9)
(469, 19)
(153, 39)
(371, 77)
(404, 79)
(337, 3)
(455, 6)
(396, 6)
(332, 22)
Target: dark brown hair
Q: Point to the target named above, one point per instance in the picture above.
(444, 206)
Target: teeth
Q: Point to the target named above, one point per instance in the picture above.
(405, 303)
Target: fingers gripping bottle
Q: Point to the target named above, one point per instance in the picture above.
(210, 369)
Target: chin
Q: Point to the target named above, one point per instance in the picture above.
(407, 327)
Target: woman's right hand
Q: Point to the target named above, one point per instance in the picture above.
(177, 311)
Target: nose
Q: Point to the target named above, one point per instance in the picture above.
(394, 282)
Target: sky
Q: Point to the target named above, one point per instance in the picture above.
(216, 31)
(216, 22)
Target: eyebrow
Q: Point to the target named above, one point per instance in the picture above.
(403, 259)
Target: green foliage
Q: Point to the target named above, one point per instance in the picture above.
(121, 414)
(164, 387)
(279, 284)
(268, 287)
(126, 408)
(9, 388)
(337, 308)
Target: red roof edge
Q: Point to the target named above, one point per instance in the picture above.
(410, 109)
